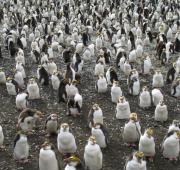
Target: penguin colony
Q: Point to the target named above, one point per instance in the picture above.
(54, 47)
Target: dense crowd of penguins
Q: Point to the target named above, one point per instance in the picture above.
(76, 32)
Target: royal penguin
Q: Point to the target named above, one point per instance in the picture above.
(175, 88)
(20, 67)
(78, 63)
(174, 126)
(116, 92)
(47, 157)
(95, 115)
(51, 66)
(22, 101)
(18, 77)
(157, 96)
(28, 118)
(20, 56)
(55, 80)
(101, 135)
(146, 65)
(134, 86)
(43, 75)
(99, 42)
(145, 98)
(161, 112)
(70, 72)
(132, 56)
(74, 105)
(71, 89)
(51, 125)
(87, 55)
(1, 138)
(136, 162)
(101, 84)
(127, 68)
(21, 147)
(62, 94)
(2, 76)
(111, 76)
(12, 86)
(171, 74)
(73, 163)
(132, 130)
(122, 109)
(170, 145)
(66, 55)
(147, 143)
(99, 69)
(93, 155)
(33, 89)
(66, 141)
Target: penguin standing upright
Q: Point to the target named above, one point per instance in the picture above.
(147, 144)
(101, 84)
(101, 135)
(43, 75)
(1, 138)
(92, 155)
(116, 92)
(132, 130)
(21, 147)
(2, 76)
(161, 112)
(145, 98)
(33, 89)
(95, 115)
(157, 96)
(134, 86)
(147, 65)
(111, 76)
(99, 69)
(175, 89)
(136, 162)
(70, 73)
(55, 80)
(47, 157)
(174, 126)
(170, 145)
(65, 141)
(51, 125)
(22, 101)
(18, 77)
(122, 109)
(12, 86)
(171, 74)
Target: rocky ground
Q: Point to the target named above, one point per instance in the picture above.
(114, 157)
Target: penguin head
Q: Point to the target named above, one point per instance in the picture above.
(46, 145)
(149, 132)
(101, 76)
(116, 83)
(95, 107)
(9, 79)
(139, 155)
(161, 102)
(145, 88)
(176, 123)
(65, 127)
(39, 115)
(133, 116)
(121, 99)
(92, 140)
(73, 160)
(178, 133)
(97, 125)
(54, 116)
(1, 69)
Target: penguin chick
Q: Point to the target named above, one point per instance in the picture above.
(170, 145)
(51, 125)
(101, 84)
(136, 162)
(47, 158)
(116, 92)
(101, 135)
(147, 144)
(21, 147)
(157, 96)
(27, 119)
(145, 98)
(73, 163)
(174, 126)
(161, 112)
(158, 80)
(22, 101)
(65, 141)
(132, 130)
(33, 89)
(92, 155)
(122, 109)
(95, 115)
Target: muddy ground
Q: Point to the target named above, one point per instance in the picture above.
(114, 157)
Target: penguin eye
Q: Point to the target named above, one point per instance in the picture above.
(28, 122)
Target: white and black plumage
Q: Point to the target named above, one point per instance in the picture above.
(2, 77)
(12, 86)
(22, 101)
(175, 88)
(43, 75)
(111, 76)
(51, 125)
(145, 98)
(101, 84)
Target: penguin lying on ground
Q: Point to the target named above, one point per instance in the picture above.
(47, 158)
(62, 94)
